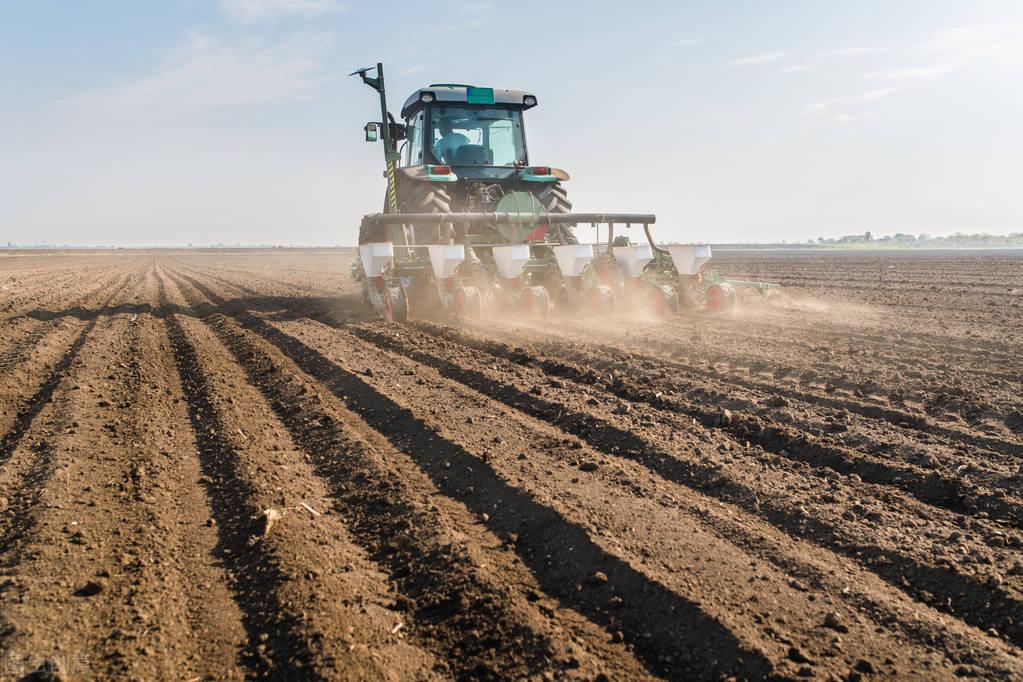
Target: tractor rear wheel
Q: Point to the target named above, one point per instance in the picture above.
(554, 198)
(426, 197)
(371, 233)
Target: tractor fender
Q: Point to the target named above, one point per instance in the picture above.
(553, 175)
(423, 174)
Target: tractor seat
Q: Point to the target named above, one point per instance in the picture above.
(472, 155)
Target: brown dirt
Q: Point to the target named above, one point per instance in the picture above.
(219, 466)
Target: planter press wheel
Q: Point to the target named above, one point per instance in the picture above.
(601, 300)
(468, 303)
(536, 302)
(720, 297)
(395, 305)
(663, 300)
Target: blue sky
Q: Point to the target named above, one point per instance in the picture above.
(205, 121)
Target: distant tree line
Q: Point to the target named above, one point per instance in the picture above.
(923, 240)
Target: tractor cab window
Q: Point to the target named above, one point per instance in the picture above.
(477, 136)
(412, 154)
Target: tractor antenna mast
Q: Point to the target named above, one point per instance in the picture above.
(390, 147)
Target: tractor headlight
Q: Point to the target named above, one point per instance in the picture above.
(426, 97)
(529, 101)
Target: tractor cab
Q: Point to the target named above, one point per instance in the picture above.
(470, 132)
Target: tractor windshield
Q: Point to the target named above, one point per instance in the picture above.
(477, 136)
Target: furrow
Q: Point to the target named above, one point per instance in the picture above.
(277, 572)
(85, 549)
(896, 417)
(461, 592)
(669, 633)
(662, 386)
(627, 503)
(404, 415)
(845, 522)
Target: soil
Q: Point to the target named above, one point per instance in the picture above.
(220, 465)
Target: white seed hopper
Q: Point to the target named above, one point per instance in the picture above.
(633, 259)
(510, 259)
(375, 257)
(444, 258)
(689, 258)
(573, 258)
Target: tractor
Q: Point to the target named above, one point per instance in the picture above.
(470, 227)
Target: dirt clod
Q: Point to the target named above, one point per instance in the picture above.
(834, 621)
(91, 588)
(269, 518)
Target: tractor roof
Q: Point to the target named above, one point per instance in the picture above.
(467, 94)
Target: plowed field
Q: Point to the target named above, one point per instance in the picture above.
(220, 466)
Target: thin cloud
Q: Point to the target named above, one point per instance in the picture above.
(207, 74)
(960, 48)
(999, 43)
(760, 58)
(868, 96)
(853, 51)
(794, 69)
(475, 15)
(688, 42)
(966, 37)
(250, 11)
(877, 94)
(844, 118)
(915, 73)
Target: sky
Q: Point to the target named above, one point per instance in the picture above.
(168, 122)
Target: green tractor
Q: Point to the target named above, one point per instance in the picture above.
(470, 227)
(463, 149)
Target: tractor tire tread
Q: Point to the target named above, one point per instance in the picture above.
(555, 199)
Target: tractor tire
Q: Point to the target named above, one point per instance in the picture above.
(663, 300)
(536, 303)
(691, 294)
(371, 233)
(601, 301)
(426, 197)
(468, 303)
(395, 305)
(554, 198)
(721, 298)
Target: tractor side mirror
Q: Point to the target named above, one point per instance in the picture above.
(372, 132)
